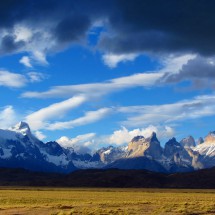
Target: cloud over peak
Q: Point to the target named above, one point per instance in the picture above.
(124, 135)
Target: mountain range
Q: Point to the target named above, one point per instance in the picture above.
(19, 148)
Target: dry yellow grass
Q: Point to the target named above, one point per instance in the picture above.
(61, 201)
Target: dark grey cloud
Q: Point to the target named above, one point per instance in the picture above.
(132, 26)
(65, 21)
(9, 45)
(199, 71)
(72, 28)
(11, 12)
(162, 26)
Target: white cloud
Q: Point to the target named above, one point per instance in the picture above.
(124, 135)
(9, 79)
(16, 80)
(89, 117)
(119, 137)
(197, 107)
(169, 132)
(142, 116)
(136, 116)
(98, 89)
(80, 143)
(173, 64)
(147, 79)
(40, 57)
(26, 61)
(40, 135)
(22, 33)
(39, 119)
(35, 41)
(8, 117)
(80, 139)
(36, 76)
(112, 60)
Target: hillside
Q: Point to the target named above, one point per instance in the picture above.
(109, 178)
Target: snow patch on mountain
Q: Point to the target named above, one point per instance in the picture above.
(188, 142)
(21, 127)
(6, 153)
(20, 148)
(60, 160)
(7, 135)
(205, 149)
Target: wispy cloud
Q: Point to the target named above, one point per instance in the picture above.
(40, 57)
(89, 117)
(26, 61)
(147, 79)
(46, 117)
(14, 80)
(197, 107)
(112, 60)
(39, 119)
(36, 76)
(98, 89)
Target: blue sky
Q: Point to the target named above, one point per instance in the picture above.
(96, 81)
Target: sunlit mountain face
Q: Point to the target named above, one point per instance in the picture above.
(19, 148)
(87, 77)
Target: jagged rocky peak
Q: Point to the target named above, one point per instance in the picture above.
(154, 149)
(153, 137)
(137, 138)
(111, 153)
(188, 142)
(200, 141)
(172, 147)
(140, 146)
(141, 139)
(172, 141)
(178, 155)
(136, 143)
(153, 140)
(21, 127)
(210, 138)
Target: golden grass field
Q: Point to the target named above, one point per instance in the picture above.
(105, 201)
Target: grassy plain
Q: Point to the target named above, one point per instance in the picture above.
(59, 201)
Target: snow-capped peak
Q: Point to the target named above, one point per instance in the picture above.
(21, 127)
(188, 142)
(200, 141)
(210, 138)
